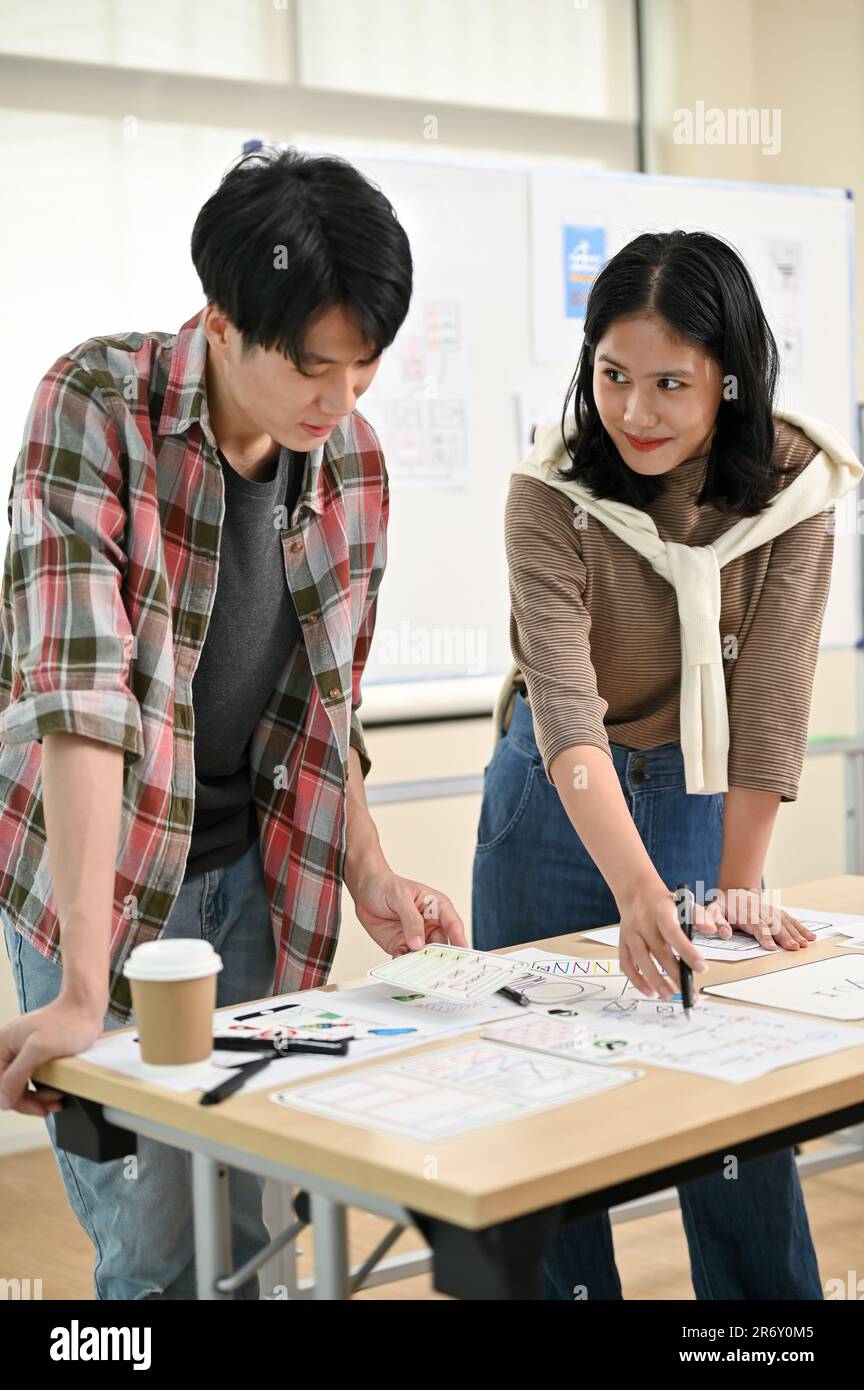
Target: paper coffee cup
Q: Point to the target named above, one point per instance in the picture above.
(173, 986)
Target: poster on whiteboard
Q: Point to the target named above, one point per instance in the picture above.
(578, 225)
(418, 401)
(797, 245)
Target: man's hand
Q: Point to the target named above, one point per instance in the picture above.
(60, 1029)
(403, 915)
(751, 911)
(399, 914)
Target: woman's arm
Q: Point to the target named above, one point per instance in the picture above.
(550, 639)
(771, 677)
(748, 821)
(587, 783)
(770, 688)
(591, 794)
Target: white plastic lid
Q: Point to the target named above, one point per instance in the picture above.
(172, 960)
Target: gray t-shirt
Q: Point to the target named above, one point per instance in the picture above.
(252, 630)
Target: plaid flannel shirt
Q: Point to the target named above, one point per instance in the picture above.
(115, 512)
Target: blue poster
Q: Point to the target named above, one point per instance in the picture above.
(584, 258)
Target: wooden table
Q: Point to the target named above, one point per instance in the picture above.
(498, 1194)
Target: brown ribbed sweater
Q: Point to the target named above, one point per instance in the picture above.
(595, 634)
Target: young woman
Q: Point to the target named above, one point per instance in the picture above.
(621, 771)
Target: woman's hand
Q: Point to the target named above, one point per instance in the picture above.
(651, 935)
(751, 911)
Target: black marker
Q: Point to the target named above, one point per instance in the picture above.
(262, 1013)
(285, 1046)
(513, 995)
(296, 1046)
(684, 906)
(227, 1088)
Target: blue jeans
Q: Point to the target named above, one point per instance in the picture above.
(749, 1237)
(141, 1224)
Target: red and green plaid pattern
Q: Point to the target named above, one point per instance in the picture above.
(115, 513)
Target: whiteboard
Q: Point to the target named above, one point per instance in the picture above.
(486, 241)
(442, 633)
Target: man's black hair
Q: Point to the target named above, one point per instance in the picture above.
(287, 236)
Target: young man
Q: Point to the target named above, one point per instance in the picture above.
(181, 756)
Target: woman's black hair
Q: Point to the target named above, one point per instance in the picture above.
(701, 287)
(288, 235)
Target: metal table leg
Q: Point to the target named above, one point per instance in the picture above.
(212, 1217)
(330, 1226)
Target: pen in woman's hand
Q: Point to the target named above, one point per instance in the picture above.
(684, 905)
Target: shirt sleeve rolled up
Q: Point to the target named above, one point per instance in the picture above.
(63, 613)
(365, 633)
(549, 624)
(771, 683)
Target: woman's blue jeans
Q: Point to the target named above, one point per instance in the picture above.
(139, 1214)
(748, 1236)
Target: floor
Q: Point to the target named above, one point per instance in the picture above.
(41, 1239)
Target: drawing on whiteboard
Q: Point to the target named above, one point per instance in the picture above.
(779, 266)
(418, 402)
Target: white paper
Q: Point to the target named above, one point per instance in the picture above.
(120, 1053)
(615, 989)
(832, 988)
(452, 973)
(540, 406)
(438, 1017)
(564, 1037)
(728, 1042)
(454, 1091)
(369, 1007)
(569, 980)
(741, 946)
(576, 967)
(845, 923)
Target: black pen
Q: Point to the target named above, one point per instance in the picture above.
(513, 995)
(240, 1077)
(684, 905)
(270, 1009)
(293, 1047)
(326, 1047)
